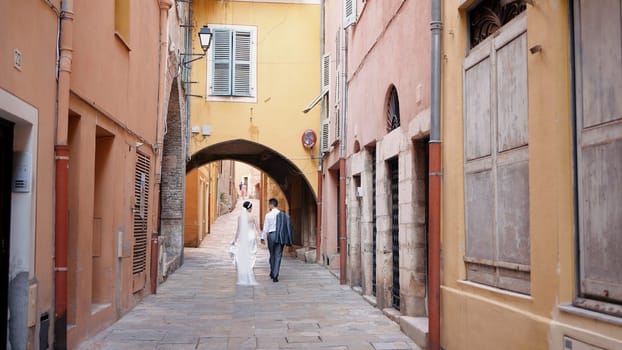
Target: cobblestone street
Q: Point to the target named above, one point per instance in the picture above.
(200, 307)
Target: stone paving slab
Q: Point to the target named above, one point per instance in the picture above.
(200, 307)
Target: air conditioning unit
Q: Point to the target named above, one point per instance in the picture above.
(573, 344)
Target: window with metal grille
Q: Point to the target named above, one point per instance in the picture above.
(490, 15)
(374, 226)
(141, 211)
(395, 230)
(393, 110)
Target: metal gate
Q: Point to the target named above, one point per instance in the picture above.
(395, 231)
(338, 213)
(374, 228)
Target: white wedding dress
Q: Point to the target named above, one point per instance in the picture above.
(247, 250)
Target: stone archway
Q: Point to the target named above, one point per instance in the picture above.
(299, 193)
(173, 186)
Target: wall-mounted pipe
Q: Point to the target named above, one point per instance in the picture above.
(343, 235)
(61, 154)
(435, 176)
(318, 233)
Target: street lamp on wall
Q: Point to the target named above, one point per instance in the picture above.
(205, 38)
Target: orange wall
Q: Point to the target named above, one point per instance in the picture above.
(35, 85)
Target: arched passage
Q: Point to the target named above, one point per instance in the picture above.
(295, 186)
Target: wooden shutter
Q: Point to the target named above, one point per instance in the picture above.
(221, 63)
(349, 12)
(242, 57)
(141, 219)
(598, 35)
(496, 160)
(325, 72)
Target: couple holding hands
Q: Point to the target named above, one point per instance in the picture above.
(277, 230)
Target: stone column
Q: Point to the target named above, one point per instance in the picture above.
(384, 263)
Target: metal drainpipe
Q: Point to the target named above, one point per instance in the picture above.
(343, 256)
(435, 176)
(61, 151)
(318, 232)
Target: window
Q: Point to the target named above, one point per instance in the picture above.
(232, 63)
(598, 57)
(122, 20)
(393, 110)
(497, 160)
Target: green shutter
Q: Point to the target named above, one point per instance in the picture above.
(221, 63)
(242, 56)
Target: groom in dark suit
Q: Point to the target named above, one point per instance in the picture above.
(278, 229)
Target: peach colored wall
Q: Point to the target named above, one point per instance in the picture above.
(101, 61)
(35, 85)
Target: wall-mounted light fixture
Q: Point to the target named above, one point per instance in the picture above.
(205, 38)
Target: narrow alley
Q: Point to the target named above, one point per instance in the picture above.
(200, 307)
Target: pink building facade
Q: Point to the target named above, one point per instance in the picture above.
(376, 122)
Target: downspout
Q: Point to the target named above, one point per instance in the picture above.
(318, 230)
(435, 175)
(165, 5)
(61, 155)
(343, 256)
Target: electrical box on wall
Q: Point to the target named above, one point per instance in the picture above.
(22, 179)
(359, 192)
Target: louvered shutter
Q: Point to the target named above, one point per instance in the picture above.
(242, 57)
(349, 12)
(325, 73)
(324, 136)
(141, 219)
(221, 63)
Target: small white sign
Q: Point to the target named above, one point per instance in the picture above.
(17, 59)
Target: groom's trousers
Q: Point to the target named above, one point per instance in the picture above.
(276, 253)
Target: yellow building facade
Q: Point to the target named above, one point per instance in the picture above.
(517, 268)
(249, 92)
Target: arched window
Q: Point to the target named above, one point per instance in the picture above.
(393, 110)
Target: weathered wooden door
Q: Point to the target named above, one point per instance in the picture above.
(598, 55)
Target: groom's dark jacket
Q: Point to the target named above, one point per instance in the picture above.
(284, 229)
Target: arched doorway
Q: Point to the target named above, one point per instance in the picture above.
(298, 192)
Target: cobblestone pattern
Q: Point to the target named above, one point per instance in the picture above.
(200, 307)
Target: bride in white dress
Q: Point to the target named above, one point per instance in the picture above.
(246, 239)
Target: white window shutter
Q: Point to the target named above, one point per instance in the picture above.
(325, 71)
(349, 12)
(324, 136)
(221, 63)
(242, 65)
